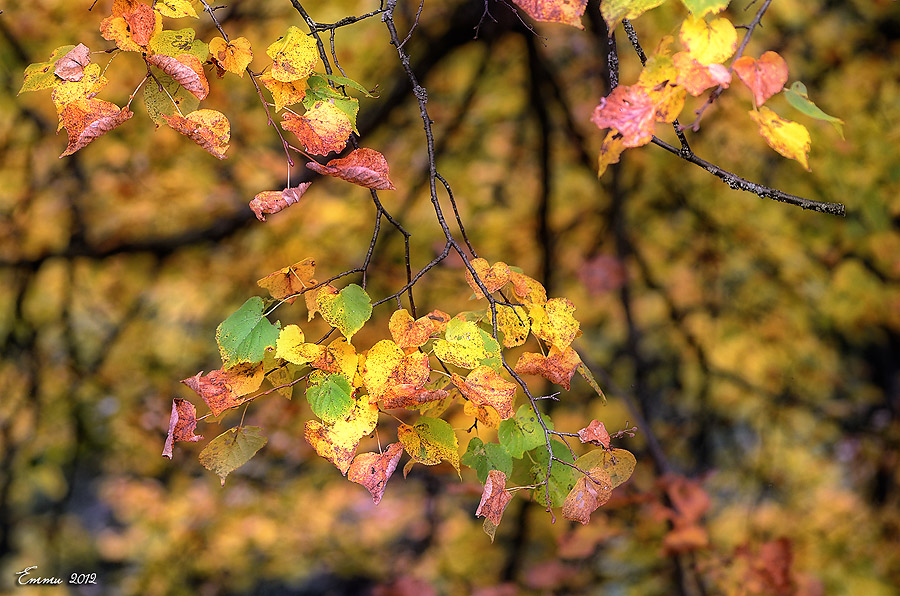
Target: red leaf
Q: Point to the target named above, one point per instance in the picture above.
(182, 423)
(71, 66)
(142, 23)
(365, 167)
(568, 12)
(595, 433)
(87, 119)
(273, 201)
(494, 500)
(186, 70)
(630, 111)
(765, 77)
(558, 367)
(223, 389)
(373, 470)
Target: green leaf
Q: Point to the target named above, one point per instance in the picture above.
(429, 441)
(467, 346)
(347, 310)
(159, 102)
(245, 335)
(175, 43)
(589, 377)
(798, 98)
(619, 470)
(349, 106)
(562, 477)
(484, 457)
(232, 449)
(330, 396)
(346, 82)
(700, 8)
(523, 432)
(41, 75)
(318, 89)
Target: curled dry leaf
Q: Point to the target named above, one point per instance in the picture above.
(273, 201)
(411, 333)
(567, 12)
(485, 387)
(558, 367)
(71, 66)
(182, 423)
(208, 128)
(373, 470)
(365, 167)
(87, 119)
(186, 70)
(590, 492)
(494, 500)
(765, 77)
(595, 433)
(223, 389)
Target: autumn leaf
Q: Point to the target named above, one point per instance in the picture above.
(527, 289)
(234, 56)
(284, 94)
(177, 42)
(223, 389)
(71, 66)
(484, 457)
(329, 395)
(697, 78)
(567, 12)
(467, 346)
(208, 128)
(554, 322)
(287, 283)
(88, 119)
(88, 87)
(523, 432)
(485, 387)
(493, 276)
(610, 151)
(364, 167)
(630, 111)
(617, 463)
(396, 378)
(594, 433)
(658, 78)
(166, 96)
(558, 367)
(486, 416)
(709, 43)
(428, 442)
(700, 8)
(232, 449)
(765, 77)
(588, 376)
(494, 500)
(562, 477)
(338, 442)
(185, 69)
(246, 334)
(269, 202)
(322, 129)
(41, 75)
(175, 9)
(614, 11)
(347, 310)
(373, 470)
(182, 423)
(292, 346)
(790, 139)
(514, 325)
(409, 333)
(131, 25)
(590, 492)
(294, 56)
(799, 99)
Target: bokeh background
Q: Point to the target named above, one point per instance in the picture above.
(755, 345)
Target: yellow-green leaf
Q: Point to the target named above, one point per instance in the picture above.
(466, 345)
(232, 449)
(614, 11)
(430, 441)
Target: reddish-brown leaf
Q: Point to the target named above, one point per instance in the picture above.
(322, 129)
(141, 21)
(182, 423)
(493, 276)
(494, 500)
(88, 119)
(409, 333)
(558, 367)
(286, 283)
(186, 70)
(208, 128)
(595, 433)
(568, 12)
(629, 110)
(71, 66)
(485, 387)
(223, 389)
(765, 77)
(373, 470)
(273, 201)
(365, 167)
(589, 493)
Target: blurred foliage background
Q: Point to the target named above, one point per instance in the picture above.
(756, 344)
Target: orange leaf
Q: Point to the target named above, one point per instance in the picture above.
(131, 25)
(222, 389)
(765, 77)
(567, 12)
(208, 128)
(182, 423)
(787, 138)
(485, 387)
(186, 70)
(494, 500)
(697, 78)
(322, 129)
(233, 56)
(373, 470)
(630, 111)
(493, 276)
(87, 119)
(409, 333)
(558, 367)
(285, 284)
(527, 289)
(589, 493)
(486, 415)
(595, 433)
(142, 22)
(268, 202)
(365, 167)
(71, 66)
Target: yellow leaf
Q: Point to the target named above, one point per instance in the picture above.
(513, 322)
(294, 56)
(554, 322)
(382, 360)
(711, 43)
(233, 56)
(338, 442)
(67, 92)
(790, 139)
(175, 9)
(284, 94)
(610, 151)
